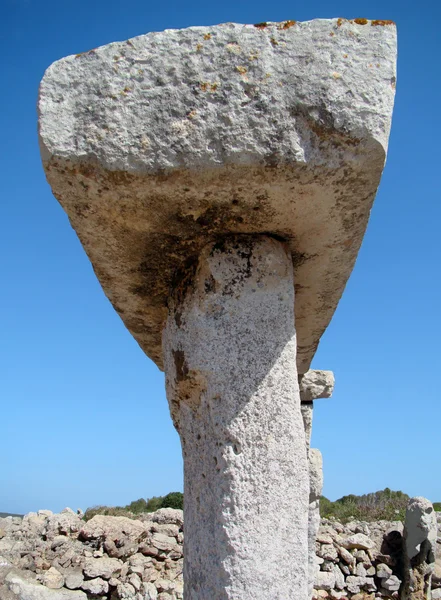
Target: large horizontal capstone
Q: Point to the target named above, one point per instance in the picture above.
(169, 141)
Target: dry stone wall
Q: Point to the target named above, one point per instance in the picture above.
(47, 556)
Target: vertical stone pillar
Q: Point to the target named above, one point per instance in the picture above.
(420, 532)
(229, 349)
(307, 409)
(315, 492)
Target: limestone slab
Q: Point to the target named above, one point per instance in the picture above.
(163, 143)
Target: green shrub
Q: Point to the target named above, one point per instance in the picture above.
(437, 506)
(154, 504)
(138, 507)
(113, 511)
(173, 500)
(385, 504)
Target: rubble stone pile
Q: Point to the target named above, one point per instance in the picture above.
(47, 556)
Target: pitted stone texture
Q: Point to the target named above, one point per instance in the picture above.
(315, 491)
(229, 349)
(316, 384)
(307, 409)
(420, 533)
(169, 141)
(26, 589)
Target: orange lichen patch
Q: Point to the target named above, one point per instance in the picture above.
(207, 36)
(345, 56)
(206, 86)
(274, 42)
(84, 53)
(382, 23)
(361, 21)
(199, 47)
(340, 21)
(242, 70)
(286, 24)
(260, 25)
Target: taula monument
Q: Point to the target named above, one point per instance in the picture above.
(220, 180)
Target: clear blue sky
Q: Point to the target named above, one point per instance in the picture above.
(84, 419)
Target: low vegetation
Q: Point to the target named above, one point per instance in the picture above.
(385, 504)
(138, 507)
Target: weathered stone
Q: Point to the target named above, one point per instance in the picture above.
(73, 578)
(392, 584)
(163, 542)
(328, 552)
(102, 527)
(315, 491)
(64, 523)
(420, 532)
(346, 555)
(95, 586)
(102, 567)
(339, 577)
(355, 584)
(149, 590)
(31, 590)
(179, 176)
(324, 581)
(383, 571)
(248, 129)
(53, 579)
(307, 409)
(316, 384)
(358, 540)
(229, 348)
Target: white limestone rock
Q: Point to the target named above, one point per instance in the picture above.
(73, 578)
(230, 349)
(161, 144)
(95, 586)
(420, 526)
(325, 580)
(358, 540)
(102, 567)
(52, 578)
(26, 589)
(316, 384)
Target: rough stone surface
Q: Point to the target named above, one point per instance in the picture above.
(164, 143)
(23, 589)
(420, 535)
(315, 491)
(102, 567)
(53, 579)
(230, 349)
(307, 409)
(355, 570)
(316, 384)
